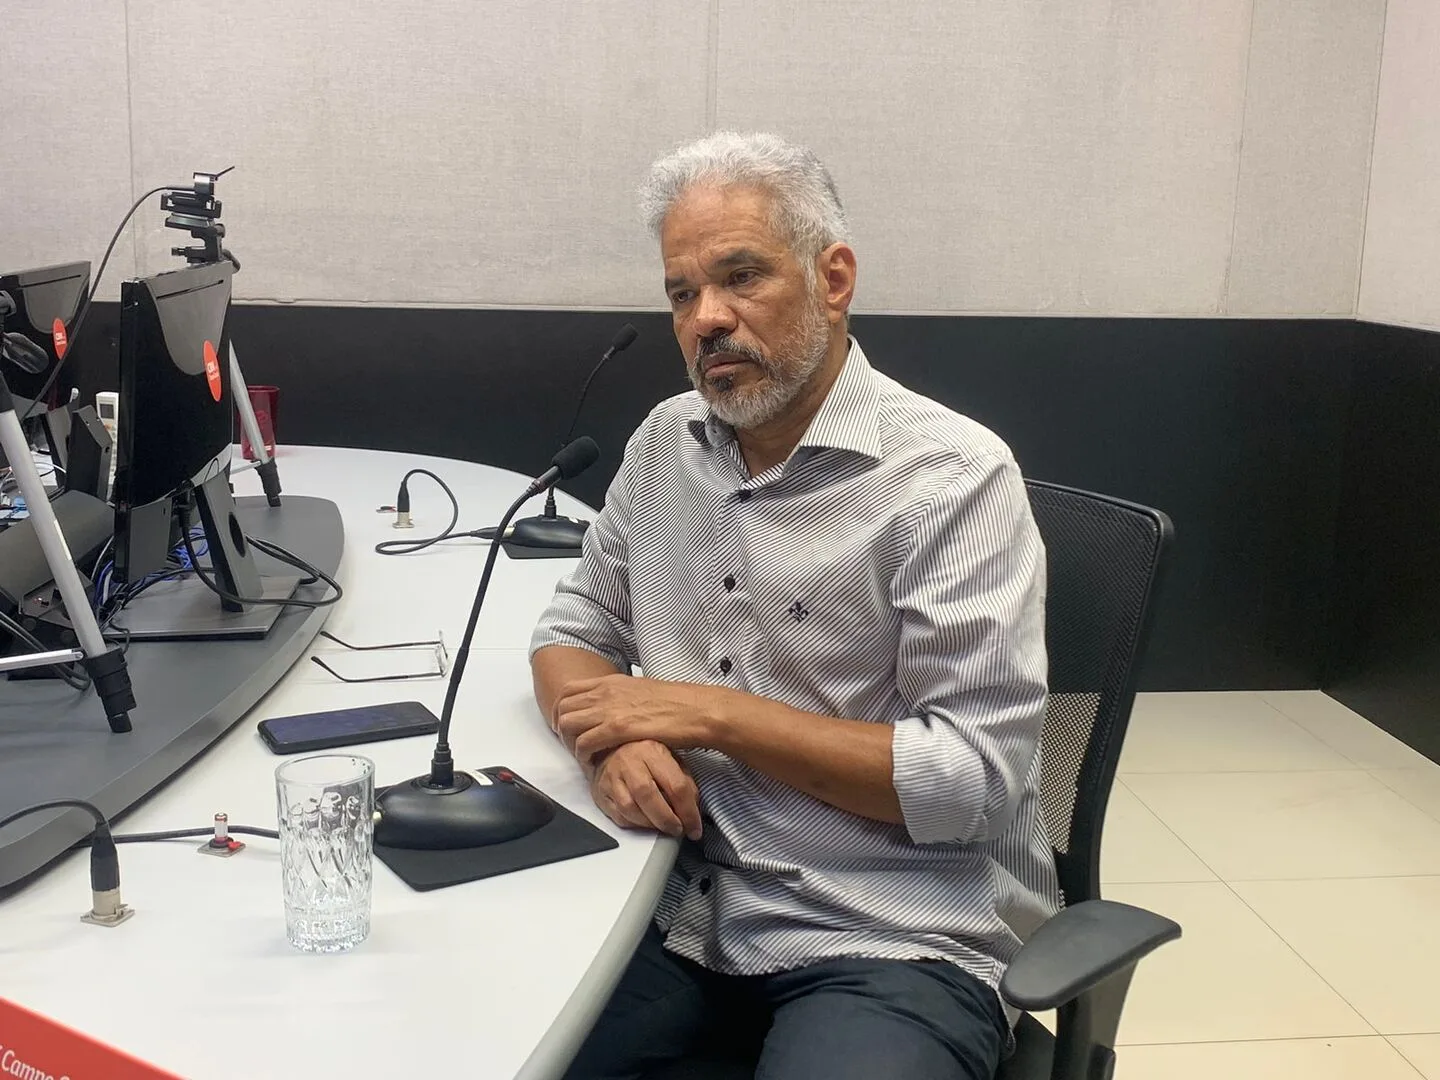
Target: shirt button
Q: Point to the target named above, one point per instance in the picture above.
(729, 582)
(704, 885)
(744, 494)
(725, 666)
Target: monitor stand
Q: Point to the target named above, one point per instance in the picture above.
(185, 610)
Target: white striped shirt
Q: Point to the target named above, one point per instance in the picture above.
(888, 571)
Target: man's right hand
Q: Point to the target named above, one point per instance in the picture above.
(641, 785)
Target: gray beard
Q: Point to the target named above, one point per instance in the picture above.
(747, 407)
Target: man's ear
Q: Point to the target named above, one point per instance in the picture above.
(835, 267)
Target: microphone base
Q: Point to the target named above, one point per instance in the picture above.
(544, 537)
(469, 813)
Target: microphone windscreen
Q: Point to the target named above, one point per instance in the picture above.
(576, 457)
(624, 338)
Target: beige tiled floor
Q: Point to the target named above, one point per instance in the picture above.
(1299, 847)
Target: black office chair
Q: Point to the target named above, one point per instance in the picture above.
(1104, 557)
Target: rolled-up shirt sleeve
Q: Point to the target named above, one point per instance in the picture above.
(591, 606)
(970, 590)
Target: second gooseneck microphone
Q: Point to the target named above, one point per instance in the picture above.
(548, 535)
(623, 339)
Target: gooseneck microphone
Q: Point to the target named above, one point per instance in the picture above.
(548, 535)
(444, 809)
(623, 339)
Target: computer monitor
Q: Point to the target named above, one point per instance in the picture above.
(176, 416)
(47, 300)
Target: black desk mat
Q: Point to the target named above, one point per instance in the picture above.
(565, 836)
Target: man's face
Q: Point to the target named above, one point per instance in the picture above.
(752, 327)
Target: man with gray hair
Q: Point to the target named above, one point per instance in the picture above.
(835, 591)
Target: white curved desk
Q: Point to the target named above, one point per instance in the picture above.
(497, 978)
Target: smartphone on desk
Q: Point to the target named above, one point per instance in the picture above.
(347, 727)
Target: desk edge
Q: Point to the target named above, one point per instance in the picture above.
(559, 1045)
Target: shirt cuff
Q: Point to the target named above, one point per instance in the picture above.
(940, 781)
(545, 636)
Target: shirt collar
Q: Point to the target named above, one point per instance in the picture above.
(848, 419)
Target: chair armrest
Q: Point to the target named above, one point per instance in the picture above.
(1080, 948)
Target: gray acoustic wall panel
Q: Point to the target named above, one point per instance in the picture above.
(452, 151)
(1305, 156)
(64, 135)
(1400, 279)
(1050, 156)
(1067, 156)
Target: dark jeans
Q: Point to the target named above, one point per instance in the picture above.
(917, 1019)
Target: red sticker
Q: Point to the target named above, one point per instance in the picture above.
(212, 370)
(61, 339)
(39, 1047)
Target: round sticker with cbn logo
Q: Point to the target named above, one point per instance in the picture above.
(212, 370)
(60, 337)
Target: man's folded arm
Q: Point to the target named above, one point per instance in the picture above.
(972, 656)
(970, 589)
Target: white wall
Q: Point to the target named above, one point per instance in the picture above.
(1304, 161)
(1401, 275)
(64, 134)
(1105, 157)
(452, 151)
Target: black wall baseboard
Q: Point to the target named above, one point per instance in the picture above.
(1384, 659)
(1229, 426)
(1233, 427)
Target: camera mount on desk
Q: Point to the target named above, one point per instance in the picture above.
(196, 210)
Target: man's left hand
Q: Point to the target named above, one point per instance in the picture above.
(595, 715)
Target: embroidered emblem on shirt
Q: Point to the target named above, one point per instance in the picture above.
(798, 611)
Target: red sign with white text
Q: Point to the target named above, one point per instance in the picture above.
(34, 1048)
(212, 374)
(62, 342)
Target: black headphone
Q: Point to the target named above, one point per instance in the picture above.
(17, 348)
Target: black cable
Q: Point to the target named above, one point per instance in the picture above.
(313, 573)
(185, 834)
(402, 506)
(104, 860)
(101, 822)
(487, 533)
(59, 804)
(120, 636)
(75, 680)
(129, 594)
(73, 333)
(125, 595)
(275, 551)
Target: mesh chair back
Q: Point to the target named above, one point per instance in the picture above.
(1103, 556)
